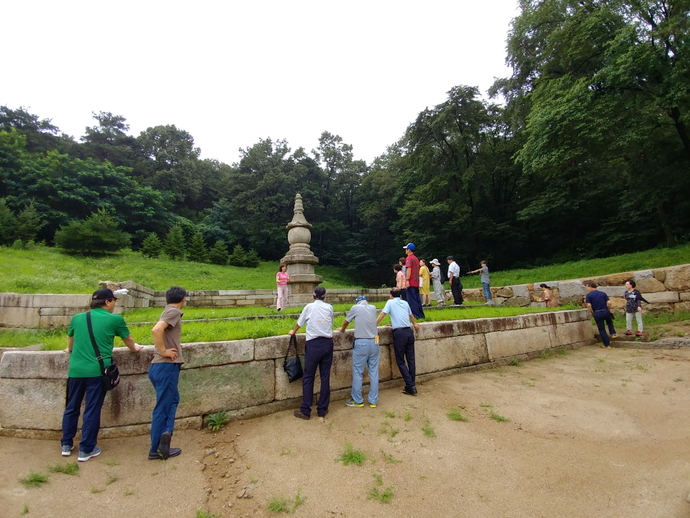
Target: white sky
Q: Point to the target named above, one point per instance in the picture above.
(232, 72)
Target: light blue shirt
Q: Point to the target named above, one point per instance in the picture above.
(364, 316)
(318, 317)
(400, 312)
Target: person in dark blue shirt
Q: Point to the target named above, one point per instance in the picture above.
(599, 307)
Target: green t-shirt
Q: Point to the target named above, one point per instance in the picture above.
(106, 326)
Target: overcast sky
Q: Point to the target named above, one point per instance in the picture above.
(231, 72)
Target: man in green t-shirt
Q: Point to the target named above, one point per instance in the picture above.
(84, 375)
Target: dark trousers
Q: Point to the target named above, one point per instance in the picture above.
(456, 289)
(414, 301)
(602, 317)
(77, 389)
(403, 345)
(318, 352)
(164, 378)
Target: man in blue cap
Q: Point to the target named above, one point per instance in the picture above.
(365, 351)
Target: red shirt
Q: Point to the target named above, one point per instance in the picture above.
(412, 265)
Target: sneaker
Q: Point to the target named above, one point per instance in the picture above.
(412, 391)
(298, 413)
(351, 402)
(67, 450)
(639, 333)
(628, 332)
(173, 452)
(83, 456)
(614, 335)
(164, 445)
(372, 405)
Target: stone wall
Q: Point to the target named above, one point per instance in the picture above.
(246, 378)
(666, 289)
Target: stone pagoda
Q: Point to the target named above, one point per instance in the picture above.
(300, 259)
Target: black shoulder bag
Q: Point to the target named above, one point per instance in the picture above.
(293, 366)
(110, 375)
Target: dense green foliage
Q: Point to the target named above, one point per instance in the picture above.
(585, 153)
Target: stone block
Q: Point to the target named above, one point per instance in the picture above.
(660, 274)
(17, 364)
(204, 354)
(505, 292)
(650, 285)
(54, 322)
(441, 354)
(32, 403)
(617, 303)
(521, 291)
(642, 274)
(684, 296)
(682, 306)
(612, 291)
(517, 301)
(14, 316)
(571, 289)
(229, 387)
(678, 278)
(618, 279)
(662, 297)
(504, 344)
(575, 332)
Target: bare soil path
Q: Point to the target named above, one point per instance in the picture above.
(594, 433)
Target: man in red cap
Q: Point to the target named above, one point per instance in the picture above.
(84, 375)
(412, 276)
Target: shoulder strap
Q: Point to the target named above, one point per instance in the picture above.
(93, 341)
(293, 343)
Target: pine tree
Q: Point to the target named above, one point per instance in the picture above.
(174, 243)
(218, 254)
(197, 251)
(28, 223)
(152, 246)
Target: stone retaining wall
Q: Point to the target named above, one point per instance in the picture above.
(246, 378)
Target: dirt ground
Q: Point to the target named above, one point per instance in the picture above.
(592, 433)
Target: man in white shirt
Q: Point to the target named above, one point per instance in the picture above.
(454, 280)
(318, 352)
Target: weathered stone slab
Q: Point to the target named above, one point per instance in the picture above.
(650, 285)
(13, 316)
(612, 291)
(572, 289)
(228, 387)
(678, 278)
(505, 292)
(517, 301)
(575, 332)
(521, 291)
(17, 364)
(441, 354)
(617, 279)
(32, 403)
(510, 343)
(665, 296)
(642, 274)
(203, 354)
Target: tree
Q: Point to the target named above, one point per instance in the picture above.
(218, 254)
(197, 251)
(96, 235)
(7, 224)
(109, 140)
(152, 246)
(28, 223)
(174, 244)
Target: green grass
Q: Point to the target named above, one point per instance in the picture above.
(215, 422)
(375, 493)
(456, 415)
(498, 417)
(205, 514)
(351, 456)
(71, 468)
(284, 505)
(35, 479)
(45, 270)
(428, 430)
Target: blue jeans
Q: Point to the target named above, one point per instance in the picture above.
(77, 388)
(164, 377)
(318, 352)
(403, 345)
(365, 352)
(487, 290)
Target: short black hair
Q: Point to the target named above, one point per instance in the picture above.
(632, 283)
(175, 295)
(591, 284)
(397, 267)
(395, 292)
(319, 292)
(450, 258)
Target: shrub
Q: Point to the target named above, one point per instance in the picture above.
(174, 243)
(152, 246)
(218, 253)
(97, 234)
(7, 224)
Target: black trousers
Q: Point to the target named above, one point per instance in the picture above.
(456, 289)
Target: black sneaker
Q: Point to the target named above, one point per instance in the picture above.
(298, 413)
(164, 445)
(411, 391)
(173, 452)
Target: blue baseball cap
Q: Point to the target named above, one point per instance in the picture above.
(360, 299)
(410, 246)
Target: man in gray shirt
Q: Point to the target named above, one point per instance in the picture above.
(318, 352)
(365, 351)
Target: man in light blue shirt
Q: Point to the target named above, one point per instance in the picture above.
(365, 351)
(403, 338)
(318, 352)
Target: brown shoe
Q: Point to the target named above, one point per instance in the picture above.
(298, 413)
